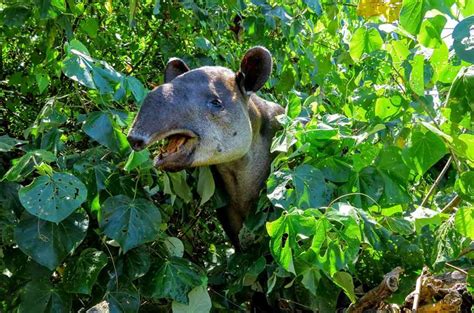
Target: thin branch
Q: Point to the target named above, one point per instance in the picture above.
(417, 292)
(456, 200)
(456, 268)
(437, 181)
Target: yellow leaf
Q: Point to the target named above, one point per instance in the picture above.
(108, 6)
(389, 9)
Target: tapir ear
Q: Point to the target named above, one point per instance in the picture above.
(255, 68)
(175, 67)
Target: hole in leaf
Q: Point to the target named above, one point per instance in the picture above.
(284, 238)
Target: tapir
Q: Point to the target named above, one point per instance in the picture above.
(211, 116)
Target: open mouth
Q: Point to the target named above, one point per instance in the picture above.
(174, 149)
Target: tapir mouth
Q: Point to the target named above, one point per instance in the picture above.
(175, 149)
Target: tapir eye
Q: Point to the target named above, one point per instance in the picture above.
(216, 103)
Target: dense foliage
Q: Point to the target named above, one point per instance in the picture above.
(374, 165)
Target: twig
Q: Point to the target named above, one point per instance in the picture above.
(436, 183)
(451, 204)
(456, 268)
(416, 298)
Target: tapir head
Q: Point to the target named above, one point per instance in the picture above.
(202, 114)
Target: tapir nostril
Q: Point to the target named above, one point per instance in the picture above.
(137, 144)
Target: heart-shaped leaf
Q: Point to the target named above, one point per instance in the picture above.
(130, 222)
(49, 243)
(53, 198)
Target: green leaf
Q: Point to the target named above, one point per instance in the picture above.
(314, 5)
(411, 15)
(157, 7)
(81, 273)
(174, 278)
(25, 165)
(205, 185)
(122, 297)
(8, 143)
(283, 236)
(101, 127)
(130, 222)
(49, 243)
(465, 186)
(430, 32)
(53, 198)
(199, 302)
(417, 80)
(90, 26)
(463, 40)
(137, 262)
(464, 146)
(464, 222)
(364, 40)
(252, 273)
(310, 188)
(310, 279)
(135, 159)
(174, 246)
(180, 186)
(344, 280)
(42, 80)
(460, 99)
(41, 296)
(137, 88)
(14, 16)
(385, 109)
(424, 151)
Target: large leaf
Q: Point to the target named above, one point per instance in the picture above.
(411, 15)
(199, 302)
(463, 41)
(130, 222)
(40, 296)
(283, 236)
(53, 198)
(137, 262)
(174, 278)
(464, 222)
(465, 186)
(460, 99)
(122, 297)
(101, 127)
(8, 143)
(430, 32)
(205, 186)
(417, 80)
(81, 273)
(25, 165)
(364, 40)
(49, 243)
(425, 150)
(309, 187)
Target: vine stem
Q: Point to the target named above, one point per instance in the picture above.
(417, 293)
(451, 204)
(456, 268)
(437, 181)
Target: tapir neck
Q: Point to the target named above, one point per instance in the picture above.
(244, 178)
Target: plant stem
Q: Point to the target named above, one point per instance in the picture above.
(436, 183)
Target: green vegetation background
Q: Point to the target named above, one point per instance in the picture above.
(353, 194)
